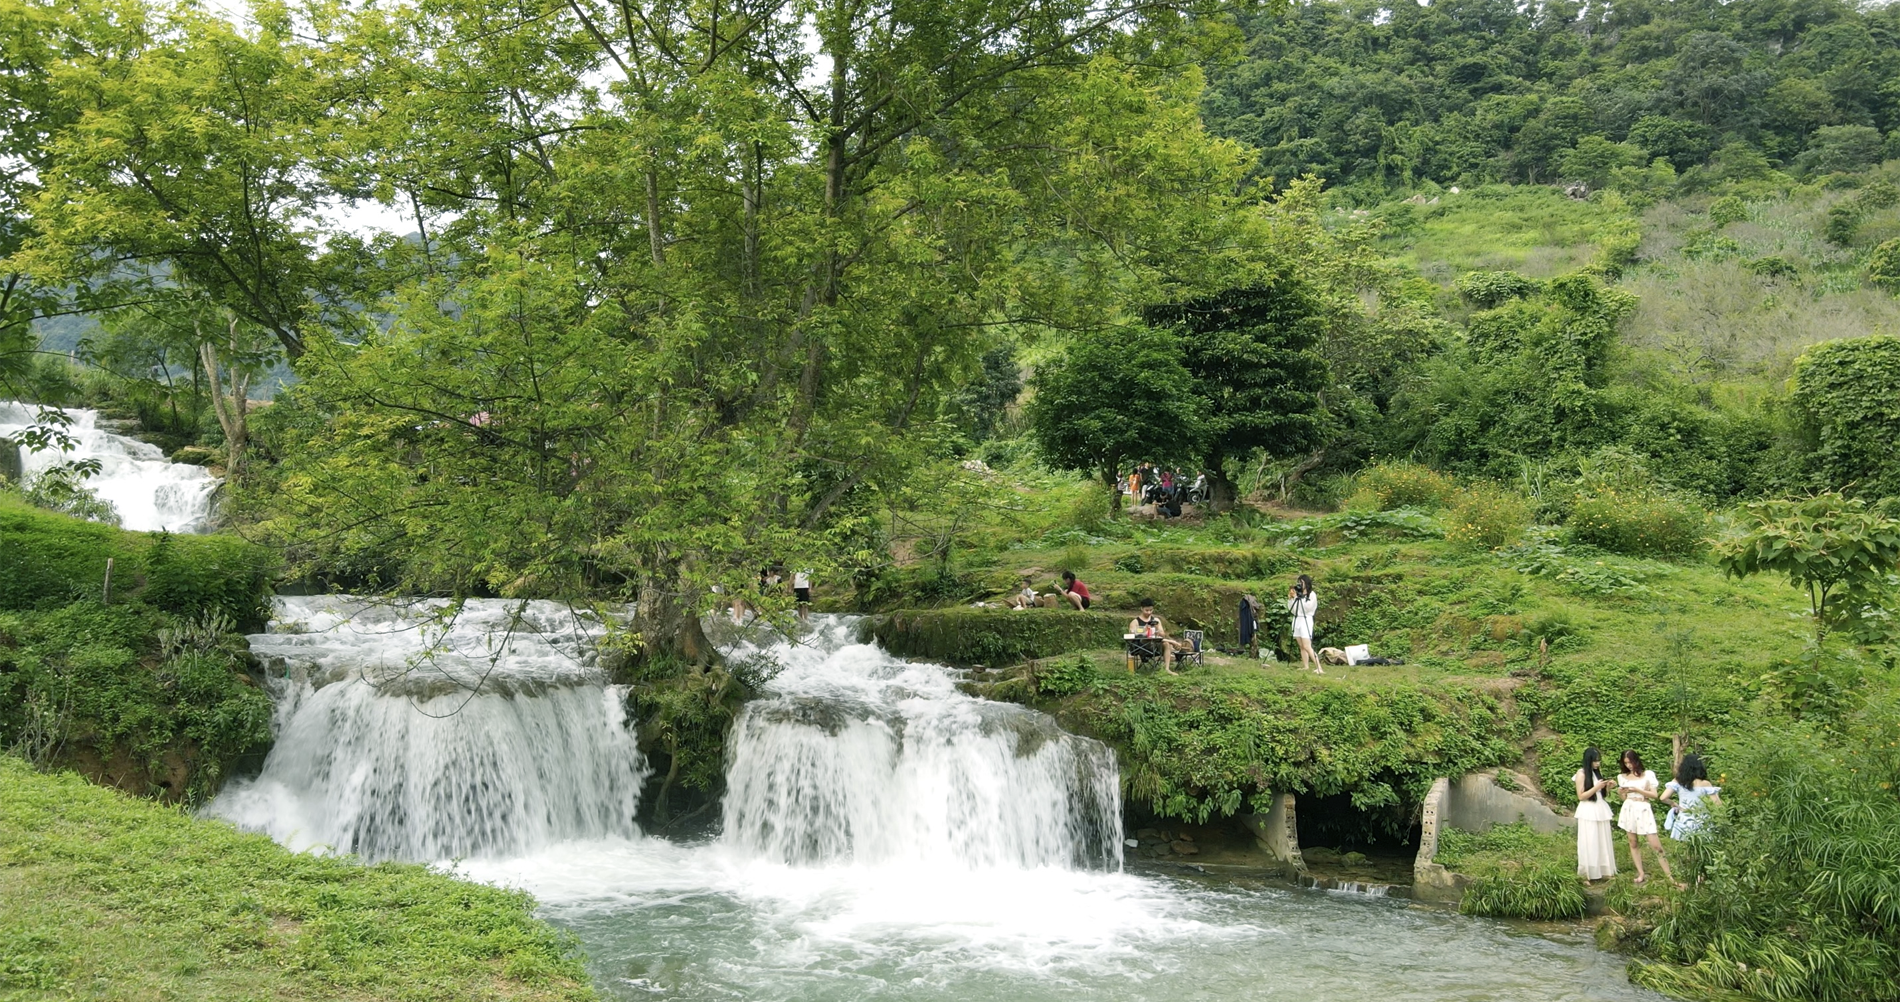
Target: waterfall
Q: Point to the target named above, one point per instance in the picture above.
(149, 492)
(856, 756)
(423, 732)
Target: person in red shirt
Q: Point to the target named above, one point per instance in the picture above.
(1075, 591)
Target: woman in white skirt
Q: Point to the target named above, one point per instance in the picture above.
(1638, 786)
(1596, 846)
(1303, 605)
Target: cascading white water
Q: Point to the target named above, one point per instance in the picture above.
(405, 732)
(857, 756)
(149, 492)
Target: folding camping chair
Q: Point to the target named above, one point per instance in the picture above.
(1197, 639)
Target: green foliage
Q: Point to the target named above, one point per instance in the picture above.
(1491, 289)
(1541, 892)
(1839, 550)
(1486, 516)
(63, 489)
(1531, 380)
(50, 559)
(996, 637)
(1064, 678)
(1643, 523)
(1116, 396)
(1883, 265)
(1727, 209)
(1799, 874)
(1460, 95)
(166, 696)
(1619, 705)
(1393, 484)
(1200, 747)
(103, 888)
(1256, 376)
(1844, 398)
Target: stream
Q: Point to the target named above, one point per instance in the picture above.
(883, 835)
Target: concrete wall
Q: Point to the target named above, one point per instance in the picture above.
(1430, 880)
(1476, 802)
(1278, 832)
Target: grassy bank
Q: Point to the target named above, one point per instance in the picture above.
(104, 896)
(144, 686)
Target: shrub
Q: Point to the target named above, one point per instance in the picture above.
(1065, 678)
(1645, 524)
(1492, 288)
(1527, 892)
(1486, 516)
(1390, 485)
(1883, 265)
(1725, 210)
(1773, 267)
(51, 559)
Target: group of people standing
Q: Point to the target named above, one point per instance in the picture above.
(771, 579)
(1688, 795)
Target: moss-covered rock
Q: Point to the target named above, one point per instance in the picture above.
(994, 636)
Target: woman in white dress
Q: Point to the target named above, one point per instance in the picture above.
(1690, 795)
(1596, 847)
(1303, 605)
(1638, 786)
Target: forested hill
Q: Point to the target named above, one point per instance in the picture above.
(1378, 96)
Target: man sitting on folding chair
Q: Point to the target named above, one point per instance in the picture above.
(1147, 638)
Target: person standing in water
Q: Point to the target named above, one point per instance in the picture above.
(1638, 786)
(1596, 846)
(1303, 605)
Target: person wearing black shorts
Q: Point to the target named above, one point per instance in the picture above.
(1075, 591)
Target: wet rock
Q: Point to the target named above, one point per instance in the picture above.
(1185, 848)
(1355, 859)
(1148, 835)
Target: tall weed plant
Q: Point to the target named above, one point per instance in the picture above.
(1798, 880)
(1486, 516)
(1640, 524)
(1388, 485)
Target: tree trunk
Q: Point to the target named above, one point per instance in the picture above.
(669, 625)
(232, 416)
(1222, 492)
(1114, 481)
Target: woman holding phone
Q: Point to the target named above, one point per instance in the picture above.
(1596, 846)
(1303, 605)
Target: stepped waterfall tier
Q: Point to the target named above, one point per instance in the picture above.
(858, 756)
(149, 492)
(427, 732)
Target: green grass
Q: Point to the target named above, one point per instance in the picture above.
(103, 896)
(1533, 229)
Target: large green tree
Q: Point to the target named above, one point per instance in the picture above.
(1257, 377)
(685, 289)
(1116, 397)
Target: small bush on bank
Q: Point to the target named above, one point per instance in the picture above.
(1534, 891)
(1390, 485)
(1064, 678)
(1486, 517)
(1644, 524)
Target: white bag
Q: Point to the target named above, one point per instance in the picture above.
(1356, 653)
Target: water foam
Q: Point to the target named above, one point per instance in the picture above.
(149, 492)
